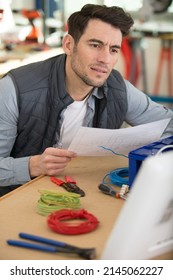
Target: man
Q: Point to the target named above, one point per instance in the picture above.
(44, 103)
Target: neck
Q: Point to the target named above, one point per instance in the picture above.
(75, 87)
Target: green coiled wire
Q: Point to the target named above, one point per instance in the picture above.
(51, 201)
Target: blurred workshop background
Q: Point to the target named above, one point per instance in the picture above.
(32, 30)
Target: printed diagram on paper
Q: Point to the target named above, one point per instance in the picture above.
(90, 141)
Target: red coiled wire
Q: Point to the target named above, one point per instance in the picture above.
(57, 221)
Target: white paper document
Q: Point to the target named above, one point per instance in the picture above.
(95, 141)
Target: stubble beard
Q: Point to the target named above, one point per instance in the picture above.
(75, 65)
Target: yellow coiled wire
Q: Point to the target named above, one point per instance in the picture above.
(51, 201)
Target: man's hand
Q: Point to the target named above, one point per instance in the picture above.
(51, 162)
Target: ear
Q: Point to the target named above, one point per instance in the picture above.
(68, 44)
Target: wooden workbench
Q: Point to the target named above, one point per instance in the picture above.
(18, 210)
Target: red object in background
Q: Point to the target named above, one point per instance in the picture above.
(1, 14)
(132, 62)
(31, 14)
(35, 32)
(165, 55)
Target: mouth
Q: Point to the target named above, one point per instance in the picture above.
(99, 69)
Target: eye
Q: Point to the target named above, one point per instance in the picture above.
(95, 45)
(114, 50)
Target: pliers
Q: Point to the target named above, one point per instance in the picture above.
(69, 184)
(54, 246)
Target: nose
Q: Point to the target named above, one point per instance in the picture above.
(104, 55)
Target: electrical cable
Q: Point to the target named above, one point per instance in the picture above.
(164, 148)
(117, 177)
(108, 149)
(57, 221)
(51, 201)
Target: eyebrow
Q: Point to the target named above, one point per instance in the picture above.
(102, 43)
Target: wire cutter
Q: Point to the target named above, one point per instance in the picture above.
(69, 184)
(54, 246)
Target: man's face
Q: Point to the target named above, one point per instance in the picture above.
(96, 53)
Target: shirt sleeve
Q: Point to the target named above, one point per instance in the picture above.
(141, 109)
(12, 171)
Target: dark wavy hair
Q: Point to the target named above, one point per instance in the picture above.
(114, 15)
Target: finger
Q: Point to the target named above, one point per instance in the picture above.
(56, 166)
(56, 159)
(65, 153)
(60, 152)
(55, 172)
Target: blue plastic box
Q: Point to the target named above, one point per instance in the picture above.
(137, 156)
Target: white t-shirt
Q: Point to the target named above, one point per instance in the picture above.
(73, 119)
